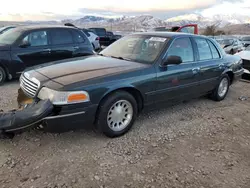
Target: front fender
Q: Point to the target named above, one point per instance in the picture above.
(122, 87)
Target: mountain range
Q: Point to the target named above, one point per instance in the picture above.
(147, 22)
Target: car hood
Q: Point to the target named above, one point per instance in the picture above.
(79, 69)
(4, 47)
(244, 55)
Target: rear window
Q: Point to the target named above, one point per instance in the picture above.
(61, 36)
(99, 31)
(110, 34)
(214, 50)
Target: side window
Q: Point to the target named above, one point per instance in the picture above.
(61, 36)
(187, 30)
(37, 38)
(214, 50)
(182, 47)
(86, 32)
(78, 37)
(203, 49)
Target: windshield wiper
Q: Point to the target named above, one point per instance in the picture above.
(122, 58)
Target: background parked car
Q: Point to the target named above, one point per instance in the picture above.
(93, 38)
(106, 37)
(190, 28)
(6, 28)
(246, 41)
(102, 33)
(231, 46)
(113, 37)
(245, 56)
(27, 46)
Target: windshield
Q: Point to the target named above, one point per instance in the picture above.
(4, 29)
(142, 49)
(227, 41)
(245, 39)
(10, 36)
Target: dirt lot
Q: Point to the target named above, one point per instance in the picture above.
(197, 144)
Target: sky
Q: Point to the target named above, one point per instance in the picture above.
(22, 10)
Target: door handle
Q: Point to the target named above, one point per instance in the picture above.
(46, 50)
(76, 47)
(196, 70)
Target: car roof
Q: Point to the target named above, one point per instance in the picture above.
(34, 27)
(165, 34)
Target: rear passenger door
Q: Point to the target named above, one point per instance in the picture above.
(82, 45)
(209, 65)
(62, 44)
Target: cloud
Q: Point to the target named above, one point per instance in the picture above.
(55, 9)
(227, 7)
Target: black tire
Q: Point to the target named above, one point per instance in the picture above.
(93, 47)
(105, 107)
(215, 94)
(2, 76)
(232, 52)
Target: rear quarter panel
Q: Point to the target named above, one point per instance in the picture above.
(232, 62)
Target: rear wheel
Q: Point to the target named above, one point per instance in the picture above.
(221, 90)
(2, 76)
(117, 114)
(93, 46)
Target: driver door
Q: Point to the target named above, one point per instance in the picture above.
(177, 82)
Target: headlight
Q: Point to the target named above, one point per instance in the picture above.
(63, 97)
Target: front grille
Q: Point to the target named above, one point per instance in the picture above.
(246, 64)
(29, 86)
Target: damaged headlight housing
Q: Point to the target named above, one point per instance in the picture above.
(63, 97)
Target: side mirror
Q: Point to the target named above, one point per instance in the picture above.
(24, 44)
(172, 60)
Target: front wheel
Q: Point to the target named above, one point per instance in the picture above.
(220, 92)
(117, 114)
(232, 52)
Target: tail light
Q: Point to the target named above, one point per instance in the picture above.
(97, 38)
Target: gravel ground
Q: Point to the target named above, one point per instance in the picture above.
(200, 144)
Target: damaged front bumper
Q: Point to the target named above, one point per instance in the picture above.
(47, 116)
(28, 117)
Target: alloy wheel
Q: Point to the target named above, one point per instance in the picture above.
(223, 87)
(120, 115)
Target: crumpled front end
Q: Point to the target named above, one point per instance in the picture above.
(26, 118)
